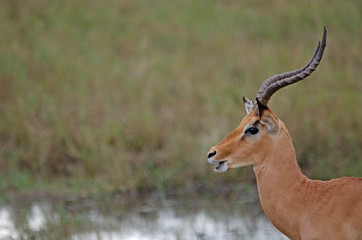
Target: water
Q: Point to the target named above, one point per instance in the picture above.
(134, 219)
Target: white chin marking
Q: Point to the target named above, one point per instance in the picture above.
(211, 160)
(221, 167)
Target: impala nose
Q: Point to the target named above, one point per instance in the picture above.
(211, 154)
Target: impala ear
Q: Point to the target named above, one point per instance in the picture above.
(249, 105)
(267, 117)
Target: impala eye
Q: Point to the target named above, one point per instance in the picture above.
(252, 131)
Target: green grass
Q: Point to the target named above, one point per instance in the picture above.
(131, 94)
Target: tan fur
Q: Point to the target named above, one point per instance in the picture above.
(299, 207)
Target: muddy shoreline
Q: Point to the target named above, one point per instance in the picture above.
(242, 193)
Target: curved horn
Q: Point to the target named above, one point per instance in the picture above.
(273, 84)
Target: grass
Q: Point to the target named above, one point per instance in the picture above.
(130, 95)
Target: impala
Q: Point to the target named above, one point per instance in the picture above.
(298, 207)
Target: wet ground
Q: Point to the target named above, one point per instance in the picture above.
(151, 216)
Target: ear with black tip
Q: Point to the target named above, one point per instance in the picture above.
(249, 105)
(260, 108)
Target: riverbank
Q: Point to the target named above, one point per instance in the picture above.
(241, 192)
(223, 214)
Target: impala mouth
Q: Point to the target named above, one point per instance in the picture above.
(222, 166)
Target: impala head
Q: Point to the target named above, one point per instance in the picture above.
(260, 130)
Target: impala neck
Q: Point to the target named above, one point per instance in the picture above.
(280, 183)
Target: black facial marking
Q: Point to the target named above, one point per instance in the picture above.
(256, 123)
(261, 107)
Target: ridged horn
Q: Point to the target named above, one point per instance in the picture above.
(274, 83)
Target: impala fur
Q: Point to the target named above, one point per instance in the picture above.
(301, 208)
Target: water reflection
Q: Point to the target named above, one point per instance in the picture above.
(120, 219)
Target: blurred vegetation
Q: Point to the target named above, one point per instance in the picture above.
(131, 95)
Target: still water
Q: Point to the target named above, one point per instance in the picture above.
(134, 219)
